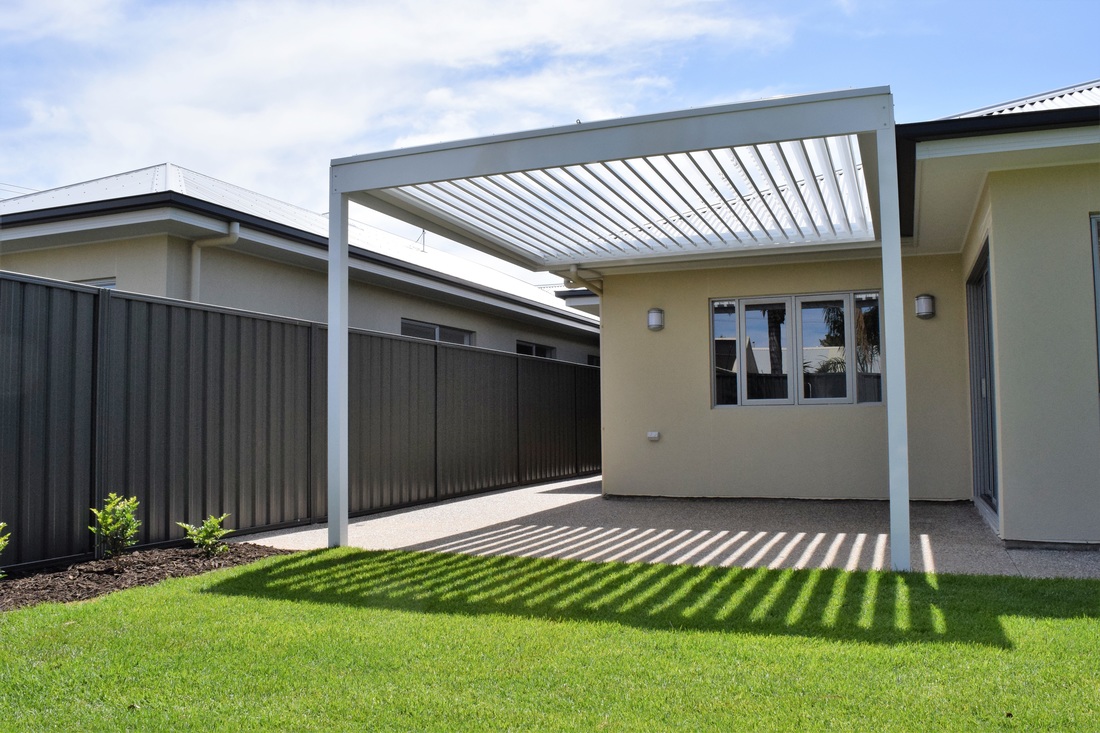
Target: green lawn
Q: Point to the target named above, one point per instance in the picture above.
(353, 640)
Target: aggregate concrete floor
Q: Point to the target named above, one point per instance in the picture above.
(571, 519)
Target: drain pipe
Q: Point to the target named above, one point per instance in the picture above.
(574, 280)
(198, 244)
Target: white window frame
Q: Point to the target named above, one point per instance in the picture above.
(849, 350)
(795, 384)
(743, 305)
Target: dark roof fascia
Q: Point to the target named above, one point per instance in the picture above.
(189, 203)
(908, 135)
(955, 127)
(574, 293)
(153, 201)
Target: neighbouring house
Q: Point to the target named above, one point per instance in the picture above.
(800, 298)
(169, 231)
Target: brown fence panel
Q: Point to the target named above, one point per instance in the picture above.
(547, 419)
(589, 434)
(391, 422)
(207, 413)
(47, 373)
(477, 432)
(199, 410)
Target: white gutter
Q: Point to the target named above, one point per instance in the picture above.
(198, 244)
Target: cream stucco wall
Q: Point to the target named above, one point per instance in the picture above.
(662, 381)
(138, 265)
(1045, 352)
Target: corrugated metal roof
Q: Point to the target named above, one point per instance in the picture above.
(169, 177)
(1081, 95)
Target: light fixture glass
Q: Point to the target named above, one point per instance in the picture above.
(926, 305)
(655, 319)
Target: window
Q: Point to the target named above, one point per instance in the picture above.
(434, 332)
(533, 349)
(593, 360)
(835, 338)
(767, 342)
(104, 282)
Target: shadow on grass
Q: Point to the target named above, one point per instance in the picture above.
(872, 607)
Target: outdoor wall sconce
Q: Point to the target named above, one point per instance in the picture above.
(926, 306)
(656, 319)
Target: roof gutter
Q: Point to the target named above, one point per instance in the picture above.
(908, 135)
(198, 245)
(574, 280)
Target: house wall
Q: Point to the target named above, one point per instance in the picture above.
(662, 381)
(1046, 377)
(161, 265)
(240, 281)
(138, 265)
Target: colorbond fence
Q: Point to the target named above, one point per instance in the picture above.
(199, 410)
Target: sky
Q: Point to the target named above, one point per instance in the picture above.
(264, 93)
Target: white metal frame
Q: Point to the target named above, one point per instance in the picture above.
(796, 345)
(743, 350)
(789, 175)
(849, 349)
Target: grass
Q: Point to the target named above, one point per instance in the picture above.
(353, 640)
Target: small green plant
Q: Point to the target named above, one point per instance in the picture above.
(208, 536)
(3, 541)
(115, 524)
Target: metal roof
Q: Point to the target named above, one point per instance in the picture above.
(716, 181)
(1080, 95)
(167, 177)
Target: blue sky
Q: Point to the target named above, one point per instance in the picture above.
(263, 93)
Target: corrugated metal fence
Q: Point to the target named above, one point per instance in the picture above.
(198, 410)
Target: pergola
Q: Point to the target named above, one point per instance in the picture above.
(813, 173)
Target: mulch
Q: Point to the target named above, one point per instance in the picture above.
(85, 580)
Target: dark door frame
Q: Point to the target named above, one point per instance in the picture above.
(983, 423)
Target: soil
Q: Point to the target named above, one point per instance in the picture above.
(85, 580)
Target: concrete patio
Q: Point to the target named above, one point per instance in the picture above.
(572, 520)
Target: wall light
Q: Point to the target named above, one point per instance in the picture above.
(926, 306)
(655, 320)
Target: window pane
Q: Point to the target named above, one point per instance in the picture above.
(824, 361)
(532, 349)
(767, 344)
(868, 350)
(724, 318)
(454, 335)
(417, 330)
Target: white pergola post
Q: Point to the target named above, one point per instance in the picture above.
(337, 368)
(893, 310)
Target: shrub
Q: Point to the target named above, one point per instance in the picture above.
(115, 524)
(208, 536)
(3, 541)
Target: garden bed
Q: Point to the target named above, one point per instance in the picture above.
(81, 581)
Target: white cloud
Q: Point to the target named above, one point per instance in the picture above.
(263, 94)
(27, 21)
